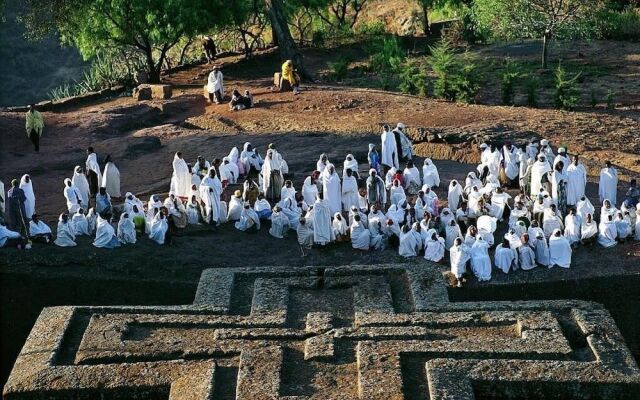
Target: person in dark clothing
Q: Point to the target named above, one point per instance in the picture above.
(15, 210)
(94, 176)
(209, 48)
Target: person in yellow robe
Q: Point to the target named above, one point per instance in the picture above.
(34, 126)
(289, 78)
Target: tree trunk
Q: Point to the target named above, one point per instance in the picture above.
(154, 73)
(545, 44)
(286, 45)
(425, 20)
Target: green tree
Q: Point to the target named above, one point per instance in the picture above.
(427, 5)
(150, 27)
(544, 19)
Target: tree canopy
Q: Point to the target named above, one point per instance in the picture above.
(151, 27)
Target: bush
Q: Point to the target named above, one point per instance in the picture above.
(456, 77)
(508, 78)
(566, 96)
(532, 92)
(610, 100)
(619, 25)
(371, 29)
(339, 69)
(386, 56)
(318, 38)
(413, 77)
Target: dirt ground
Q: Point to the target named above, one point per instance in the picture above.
(142, 138)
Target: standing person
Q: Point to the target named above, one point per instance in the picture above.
(480, 261)
(389, 150)
(576, 181)
(349, 190)
(73, 197)
(321, 221)
(215, 86)
(272, 176)
(30, 204)
(376, 192)
(559, 186)
(111, 178)
(210, 191)
(79, 180)
(506, 258)
(209, 48)
(459, 256)
(310, 190)
(94, 176)
(16, 215)
(289, 78)
(181, 176)
(539, 169)
(35, 126)
(331, 188)
(608, 186)
(374, 158)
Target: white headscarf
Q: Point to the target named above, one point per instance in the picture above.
(559, 250)
(158, 228)
(430, 175)
(126, 229)
(104, 234)
(30, 203)
(65, 236)
(79, 180)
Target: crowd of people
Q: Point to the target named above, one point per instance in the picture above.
(383, 207)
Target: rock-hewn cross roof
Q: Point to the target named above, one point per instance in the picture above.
(354, 332)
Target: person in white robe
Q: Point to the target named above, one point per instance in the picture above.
(234, 159)
(194, 211)
(608, 184)
(576, 181)
(349, 190)
(513, 238)
(105, 235)
(500, 199)
(607, 209)
(390, 177)
(322, 163)
(228, 172)
(588, 229)
(291, 210)
(518, 213)
(458, 257)
(389, 149)
(559, 250)
(561, 157)
(551, 220)
(376, 215)
(80, 223)
(607, 232)
(411, 178)
(360, 236)
(452, 232)
(510, 158)
(539, 169)
(331, 189)
(406, 147)
(111, 178)
(321, 220)
(235, 206)
(454, 196)
(434, 247)
(72, 195)
(430, 175)
(310, 190)
(158, 228)
(356, 211)
(542, 249)
(572, 227)
(249, 219)
(584, 207)
(79, 180)
(526, 254)
(480, 261)
(92, 220)
(351, 163)
(505, 258)
(623, 226)
(409, 243)
(181, 176)
(305, 233)
(547, 151)
(340, 227)
(26, 184)
(210, 191)
(65, 236)
(279, 223)
(288, 191)
(126, 229)
(396, 193)
(215, 85)
(471, 181)
(39, 230)
(91, 164)
(263, 208)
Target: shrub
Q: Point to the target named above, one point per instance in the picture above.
(456, 77)
(610, 100)
(508, 78)
(413, 77)
(566, 96)
(532, 92)
(619, 25)
(318, 38)
(371, 29)
(386, 56)
(339, 69)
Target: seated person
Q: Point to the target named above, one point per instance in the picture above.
(9, 238)
(39, 231)
(239, 102)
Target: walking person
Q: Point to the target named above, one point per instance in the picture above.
(34, 126)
